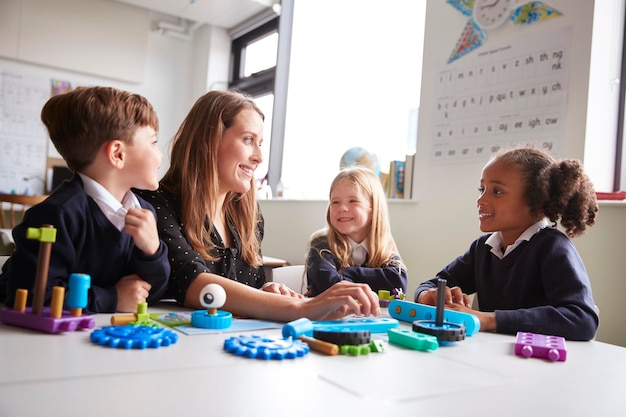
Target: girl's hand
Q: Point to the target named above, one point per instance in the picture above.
(453, 295)
(279, 288)
(487, 319)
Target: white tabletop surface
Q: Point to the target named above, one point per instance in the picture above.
(67, 375)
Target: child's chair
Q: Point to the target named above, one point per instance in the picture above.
(16, 204)
(293, 276)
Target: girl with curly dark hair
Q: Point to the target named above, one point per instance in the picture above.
(525, 272)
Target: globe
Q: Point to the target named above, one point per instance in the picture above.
(361, 157)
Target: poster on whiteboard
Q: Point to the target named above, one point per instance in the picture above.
(513, 94)
(23, 137)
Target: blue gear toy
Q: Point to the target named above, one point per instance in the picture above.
(260, 347)
(133, 337)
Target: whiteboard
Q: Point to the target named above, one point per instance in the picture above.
(23, 137)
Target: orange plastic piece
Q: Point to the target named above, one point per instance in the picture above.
(20, 300)
(56, 305)
(320, 345)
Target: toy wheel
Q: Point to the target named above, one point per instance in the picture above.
(133, 337)
(266, 348)
(343, 337)
(447, 332)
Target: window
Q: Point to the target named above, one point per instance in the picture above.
(254, 71)
(603, 153)
(343, 87)
(620, 172)
(354, 80)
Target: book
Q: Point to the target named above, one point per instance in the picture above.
(409, 164)
(396, 179)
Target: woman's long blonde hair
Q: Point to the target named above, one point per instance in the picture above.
(192, 176)
(380, 243)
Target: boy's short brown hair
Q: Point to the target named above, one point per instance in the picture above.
(81, 121)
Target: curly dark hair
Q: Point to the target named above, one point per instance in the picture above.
(559, 189)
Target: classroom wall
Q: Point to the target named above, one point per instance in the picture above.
(162, 59)
(25, 22)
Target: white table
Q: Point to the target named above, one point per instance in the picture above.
(67, 375)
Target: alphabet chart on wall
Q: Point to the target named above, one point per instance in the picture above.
(505, 95)
(23, 139)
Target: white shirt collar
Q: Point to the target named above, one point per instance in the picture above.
(359, 252)
(495, 240)
(112, 209)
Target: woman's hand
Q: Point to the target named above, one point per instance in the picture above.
(342, 299)
(279, 288)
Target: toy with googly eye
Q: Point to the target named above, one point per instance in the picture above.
(212, 296)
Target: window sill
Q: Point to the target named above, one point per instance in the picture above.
(612, 203)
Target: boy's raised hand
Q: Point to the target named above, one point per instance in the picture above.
(141, 226)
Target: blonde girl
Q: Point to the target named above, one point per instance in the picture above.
(356, 245)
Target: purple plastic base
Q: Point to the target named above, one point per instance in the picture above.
(45, 323)
(540, 346)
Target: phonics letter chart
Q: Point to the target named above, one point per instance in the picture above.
(503, 95)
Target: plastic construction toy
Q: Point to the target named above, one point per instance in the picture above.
(306, 327)
(540, 346)
(53, 319)
(385, 296)
(133, 336)
(260, 347)
(347, 337)
(140, 317)
(412, 340)
(445, 332)
(375, 346)
(355, 350)
(409, 312)
(212, 296)
(320, 346)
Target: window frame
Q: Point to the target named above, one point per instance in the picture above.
(261, 82)
(272, 80)
(619, 181)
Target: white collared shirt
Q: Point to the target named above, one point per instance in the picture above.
(495, 240)
(112, 209)
(359, 252)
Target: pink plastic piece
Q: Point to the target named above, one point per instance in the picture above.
(540, 346)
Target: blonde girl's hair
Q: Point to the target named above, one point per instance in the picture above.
(193, 179)
(381, 245)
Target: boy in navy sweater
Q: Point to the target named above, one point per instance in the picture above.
(526, 273)
(108, 138)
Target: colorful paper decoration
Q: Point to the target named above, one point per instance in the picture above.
(472, 36)
(532, 12)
